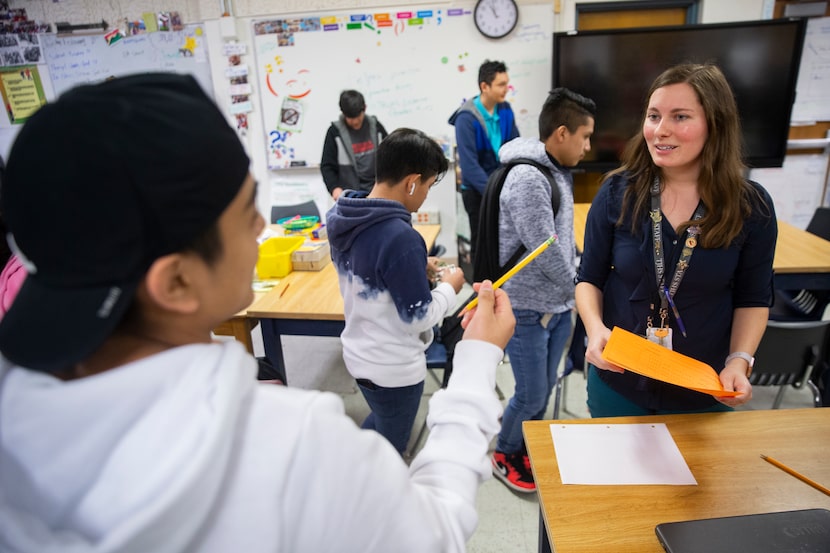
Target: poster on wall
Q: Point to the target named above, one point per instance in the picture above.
(413, 66)
(22, 92)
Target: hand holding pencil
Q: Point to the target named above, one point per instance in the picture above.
(493, 320)
(518, 267)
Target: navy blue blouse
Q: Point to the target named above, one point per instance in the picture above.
(717, 281)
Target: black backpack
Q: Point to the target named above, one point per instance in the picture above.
(486, 263)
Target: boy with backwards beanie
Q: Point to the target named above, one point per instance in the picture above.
(123, 427)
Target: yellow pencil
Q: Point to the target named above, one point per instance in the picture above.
(518, 267)
(798, 475)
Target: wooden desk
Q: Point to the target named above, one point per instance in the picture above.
(240, 326)
(802, 259)
(311, 306)
(580, 218)
(723, 452)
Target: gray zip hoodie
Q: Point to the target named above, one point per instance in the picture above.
(526, 217)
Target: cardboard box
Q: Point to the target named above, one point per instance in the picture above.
(311, 256)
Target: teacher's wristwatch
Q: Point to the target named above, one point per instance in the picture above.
(750, 361)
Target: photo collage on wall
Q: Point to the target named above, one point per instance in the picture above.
(239, 88)
(18, 37)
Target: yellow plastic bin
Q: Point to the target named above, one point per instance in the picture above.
(275, 256)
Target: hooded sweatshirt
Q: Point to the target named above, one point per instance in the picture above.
(475, 150)
(390, 311)
(184, 452)
(546, 284)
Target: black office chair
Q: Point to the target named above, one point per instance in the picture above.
(804, 305)
(305, 209)
(787, 355)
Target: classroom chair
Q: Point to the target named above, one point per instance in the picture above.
(437, 359)
(804, 305)
(787, 355)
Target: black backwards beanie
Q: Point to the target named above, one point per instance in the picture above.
(100, 184)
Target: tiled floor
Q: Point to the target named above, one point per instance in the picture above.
(508, 521)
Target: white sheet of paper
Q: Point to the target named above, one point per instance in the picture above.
(605, 454)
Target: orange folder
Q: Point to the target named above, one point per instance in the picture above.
(637, 354)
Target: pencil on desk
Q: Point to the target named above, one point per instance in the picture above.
(284, 289)
(798, 475)
(518, 267)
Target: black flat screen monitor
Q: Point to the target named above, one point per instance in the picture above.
(616, 67)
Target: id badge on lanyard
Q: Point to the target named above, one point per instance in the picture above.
(662, 335)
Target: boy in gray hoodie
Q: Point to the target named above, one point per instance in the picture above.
(542, 293)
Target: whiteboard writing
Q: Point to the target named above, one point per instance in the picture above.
(415, 67)
(75, 60)
(813, 86)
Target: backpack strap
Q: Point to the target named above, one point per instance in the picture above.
(346, 138)
(545, 170)
(373, 130)
(554, 202)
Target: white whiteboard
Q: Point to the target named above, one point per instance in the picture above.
(75, 60)
(812, 99)
(796, 188)
(414, 67)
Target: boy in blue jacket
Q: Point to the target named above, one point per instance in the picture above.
(482, 125)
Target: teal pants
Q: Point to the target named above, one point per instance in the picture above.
(604, 401)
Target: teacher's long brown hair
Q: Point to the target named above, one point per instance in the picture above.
(721, 184)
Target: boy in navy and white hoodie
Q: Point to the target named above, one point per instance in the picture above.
(382, 266)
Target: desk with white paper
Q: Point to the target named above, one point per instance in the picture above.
(615, 454)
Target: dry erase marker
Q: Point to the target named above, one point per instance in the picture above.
(518, 267)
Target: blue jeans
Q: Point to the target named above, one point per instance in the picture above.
(535, 352)
(393, 410)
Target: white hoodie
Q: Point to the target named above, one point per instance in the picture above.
(183, 451)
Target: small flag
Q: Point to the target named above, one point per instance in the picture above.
(113, 36)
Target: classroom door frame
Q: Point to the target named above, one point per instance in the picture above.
(636, 13)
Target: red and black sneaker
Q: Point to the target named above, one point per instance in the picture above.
(511, 469)
(526, 459)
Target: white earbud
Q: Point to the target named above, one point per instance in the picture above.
(412, 189)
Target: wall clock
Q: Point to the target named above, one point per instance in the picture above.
(496, 18)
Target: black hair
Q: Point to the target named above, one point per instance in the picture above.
(488, 70)
(564, 107)
(408, 151)
(352, 103)
(208, 244)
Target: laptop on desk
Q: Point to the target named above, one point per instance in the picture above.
(803, 531)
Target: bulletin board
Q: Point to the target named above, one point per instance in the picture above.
(75, 60)
(413, 66)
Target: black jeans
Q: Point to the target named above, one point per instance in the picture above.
(472, 205)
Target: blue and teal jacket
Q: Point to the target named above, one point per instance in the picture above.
(475, 151)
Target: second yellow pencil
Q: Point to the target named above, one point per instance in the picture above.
(516, 268)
